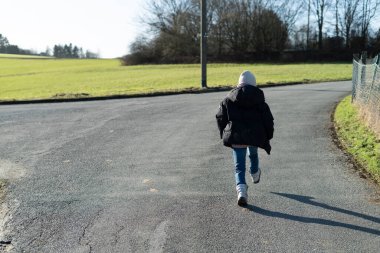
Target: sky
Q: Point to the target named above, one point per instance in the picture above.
(106, 27)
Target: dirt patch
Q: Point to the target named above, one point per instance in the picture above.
(5, 245)
(10, 170)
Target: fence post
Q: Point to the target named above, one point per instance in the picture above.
(354, 78)
(355, 75)
(364, 57)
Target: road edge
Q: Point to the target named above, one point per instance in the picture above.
(153, 94)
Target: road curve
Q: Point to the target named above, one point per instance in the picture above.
(150, 175)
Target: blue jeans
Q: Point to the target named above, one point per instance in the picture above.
(239, 160)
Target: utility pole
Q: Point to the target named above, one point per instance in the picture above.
(308, 26)
(204, 43)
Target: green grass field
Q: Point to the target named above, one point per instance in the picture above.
(44, 78)
(356, 138)
(13, 56)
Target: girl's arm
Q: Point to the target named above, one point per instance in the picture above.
(222, 118)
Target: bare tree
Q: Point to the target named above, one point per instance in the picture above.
(368, 12)
(218, 16)
(165, 14)
(308, 24)
(320, 7)
(253, 26)
(271, 33)
(288, 11)
(176, 24)
(349, 13)
(235, 27)
(336, 18)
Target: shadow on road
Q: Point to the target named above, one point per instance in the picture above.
(308, 200)
(315, 90)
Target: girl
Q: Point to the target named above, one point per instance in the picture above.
(245, 123)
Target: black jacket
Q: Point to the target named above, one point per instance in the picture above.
(244, 118)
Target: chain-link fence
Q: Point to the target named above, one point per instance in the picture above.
(366, 88)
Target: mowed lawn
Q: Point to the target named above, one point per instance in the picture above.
(44, 78)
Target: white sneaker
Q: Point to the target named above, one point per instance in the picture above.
(241, 190)
(256, 177)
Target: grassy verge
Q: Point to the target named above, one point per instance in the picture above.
(356, 138)
(28, 79)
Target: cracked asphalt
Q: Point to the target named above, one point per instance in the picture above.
(151, 175)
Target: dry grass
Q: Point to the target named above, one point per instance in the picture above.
(370, 118)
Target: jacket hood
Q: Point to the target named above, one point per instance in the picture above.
(246, 96)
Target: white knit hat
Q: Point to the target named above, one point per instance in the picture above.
(247, 78)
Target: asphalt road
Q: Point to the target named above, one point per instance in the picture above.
(151, 175)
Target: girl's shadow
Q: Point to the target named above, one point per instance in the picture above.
(326, 222)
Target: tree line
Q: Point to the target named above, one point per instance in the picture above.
(59, 51)
(70, 51)
(7, 48)
(246, 30)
